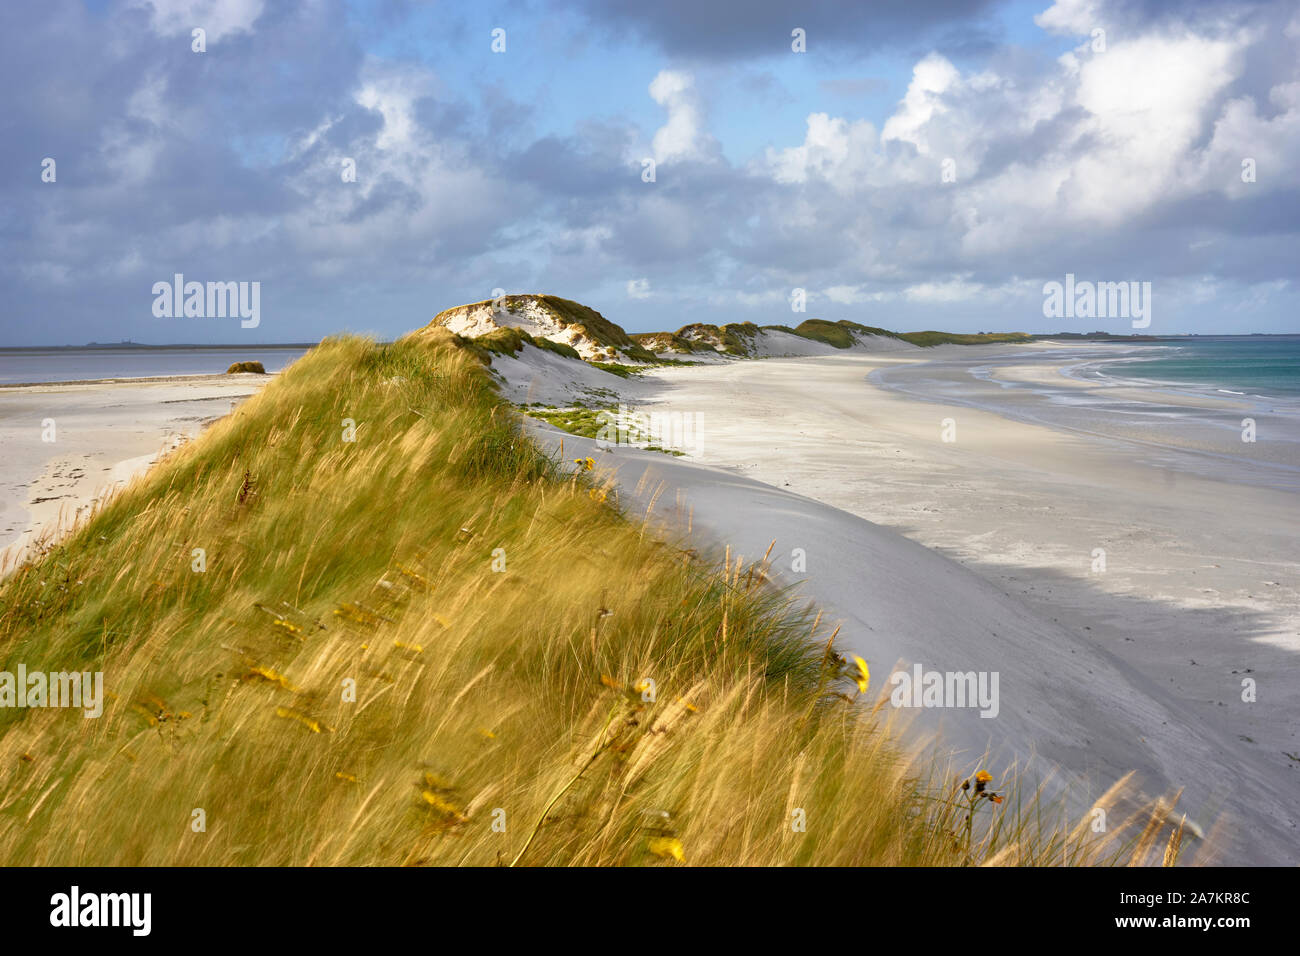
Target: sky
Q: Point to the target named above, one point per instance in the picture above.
(918, 164)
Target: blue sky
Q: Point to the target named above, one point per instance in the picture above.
(522, 170)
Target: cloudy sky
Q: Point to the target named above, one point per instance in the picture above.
(922, 164)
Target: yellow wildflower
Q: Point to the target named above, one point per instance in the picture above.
(435, 782)
(290, 714)
(670, 848)
(269, 675)
(413, 575)
(360, 615)
(444, 807)
(288, 626)
(863, 676)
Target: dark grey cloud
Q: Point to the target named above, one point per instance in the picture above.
(711, 31)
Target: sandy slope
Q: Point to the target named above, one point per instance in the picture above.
(1063, 696)
(1137, 666)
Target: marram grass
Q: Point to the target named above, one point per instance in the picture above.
(432, 645)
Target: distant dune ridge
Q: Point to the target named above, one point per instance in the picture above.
(544, 349)
(549, 320)
(547, 317)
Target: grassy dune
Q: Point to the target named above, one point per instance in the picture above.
(841, 334)
(495, 613)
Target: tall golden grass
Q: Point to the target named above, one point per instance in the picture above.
(584, 695)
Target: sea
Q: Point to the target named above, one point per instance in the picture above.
(1248, 423)
(37, 366)
(1264, 366)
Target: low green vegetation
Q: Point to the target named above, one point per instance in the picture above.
(615, 368)
(836, 334)
(587, 422)
(927, 339)
(510, 340)
(238, 367)
(841, 334)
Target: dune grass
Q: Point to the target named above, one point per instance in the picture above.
(363, 621)
(930, 339)
(843, 334)
(589, 423)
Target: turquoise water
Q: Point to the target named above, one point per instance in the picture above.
(1251, 365)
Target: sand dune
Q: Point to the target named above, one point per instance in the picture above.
(976, 555)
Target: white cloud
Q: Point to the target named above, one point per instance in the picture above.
(444, 194)
(1105, 137)
(218, 18)
(1070, 18)
(638, 289)
(393, 95)
(932, 77)
(682, 136)
(959, 289)
(825, 146)
(850, 294)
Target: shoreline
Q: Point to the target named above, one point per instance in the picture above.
(137, 380)
(1195, 390)
(1204, 430)
(105, 433)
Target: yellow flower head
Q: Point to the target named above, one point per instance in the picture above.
(288, 626)
(863, 677)
(670, 848)
(983, 777)
(289, 713)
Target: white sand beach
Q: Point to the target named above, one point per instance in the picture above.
(68, 445)
(1139, 666)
